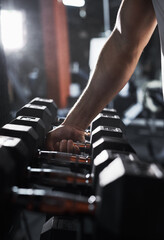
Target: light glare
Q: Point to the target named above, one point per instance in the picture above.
(74, 3)
(12, 30)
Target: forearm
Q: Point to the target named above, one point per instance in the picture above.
(117, 61)
(113, 70)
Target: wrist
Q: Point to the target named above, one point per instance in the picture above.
(73, 123)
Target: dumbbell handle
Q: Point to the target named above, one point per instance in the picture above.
(84, 147)
(53, 202)
(55, 175)
(51, 156)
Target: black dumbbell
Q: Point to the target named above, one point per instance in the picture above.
(118, 204)
(61, 178)
(37, 125)
(106, 120)
(7, 171)
(132, 199)
(50, 104)
(109, 111)
(102, 141)
(105, 131)
(26, 133)
(105, 137)
(42, 112)
(14, 160)
(111, 143)
(102, 125)
(69, 179)
(8, 177)
(102, 160)
(75, 162)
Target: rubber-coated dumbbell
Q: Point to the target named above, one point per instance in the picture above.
(65, 177)
(60, 179)
(105, 142)
(26, 133)
(7, 171)
(102, 125)
(132, 199)
(109, 111)
(121, 177)
(102, 160)
(74, 161)
(111, 143)
(50, 104)
(42, 112)
(14, 160)
(105, 131)
(36, 123)
(106, 120)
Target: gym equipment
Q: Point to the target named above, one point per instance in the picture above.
(106, 120)
(42, 112)
(26, 133)
(13, 161)
(62, 179)
(121, 183)
(50, 104)
(106, 189)
(37, 125)
(111, 143)
(105, 131)
(73, 161)
(132, 195)
(109, 111)
(7, 170)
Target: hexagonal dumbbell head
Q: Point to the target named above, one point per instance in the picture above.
(131, 199)
(50, 104)
(31, 110)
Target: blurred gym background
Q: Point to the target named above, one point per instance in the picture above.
(48, 48)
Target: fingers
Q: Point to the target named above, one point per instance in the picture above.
(62, 146)
(68, 146)
(62, 137)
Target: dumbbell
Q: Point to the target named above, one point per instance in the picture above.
(60, 179)
(9, 176)
(105, 142)
(111, 143)
(73, 161)
(13, 161)
(103, 125)
(110, 120)
(107, 118)
(50, 104)
(36, 123)
(118, 206)
(98, 133)
(132, 199)
(109, 111)
(38, 111)
(87, 181)
(20, 131)
(7, 171)
(21, 159)
(105, 131)
(26, 133)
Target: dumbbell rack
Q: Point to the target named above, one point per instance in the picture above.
(104, 192)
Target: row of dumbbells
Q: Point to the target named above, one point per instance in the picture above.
(99, 181)
(32, 123)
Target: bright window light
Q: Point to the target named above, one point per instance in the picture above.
(12, 32)
(74, 3)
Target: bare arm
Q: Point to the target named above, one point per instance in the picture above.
(133, 29)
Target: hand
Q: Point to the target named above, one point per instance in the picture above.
(63, 137)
